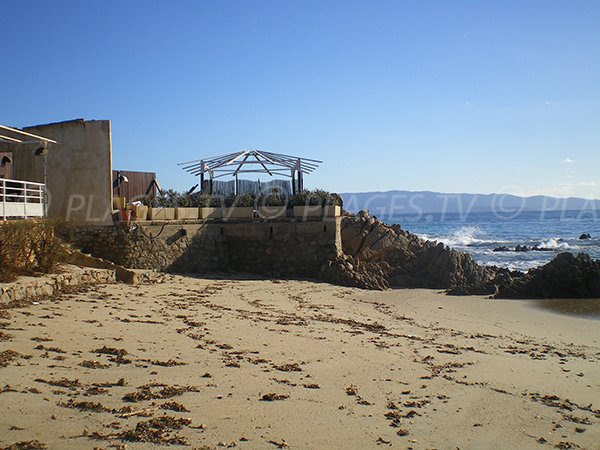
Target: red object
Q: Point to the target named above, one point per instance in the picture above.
(125, 215)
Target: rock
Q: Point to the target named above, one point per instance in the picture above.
(397, 258)
(521, 248)
(345, 272)
(502, 248)
(585, 236)
(535, 248)
(566, 276)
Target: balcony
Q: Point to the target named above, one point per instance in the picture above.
(21, 199)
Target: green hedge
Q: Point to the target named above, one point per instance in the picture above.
(173, 199)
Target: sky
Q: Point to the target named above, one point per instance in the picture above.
(450, 96)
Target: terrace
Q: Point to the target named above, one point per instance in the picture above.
(21, 199)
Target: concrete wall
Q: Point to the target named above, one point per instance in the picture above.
(280, 248)
(6, 158)
(79, 170)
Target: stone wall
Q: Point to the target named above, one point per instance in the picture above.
(133, 248)
(281, 248)
(288, 248)
(30, 287)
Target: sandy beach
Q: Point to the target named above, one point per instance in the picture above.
(253, 363)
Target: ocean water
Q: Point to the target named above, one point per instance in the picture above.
(478, 233)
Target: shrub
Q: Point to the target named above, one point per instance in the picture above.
(318, 197)
(28, 247)
(246, 200)
(274, 198)
(201, 200)
(168, 199)
(147, 200)
(305, 198)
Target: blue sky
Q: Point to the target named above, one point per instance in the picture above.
(453, 96)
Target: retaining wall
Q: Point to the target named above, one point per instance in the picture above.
(30, 287)
(280, 248)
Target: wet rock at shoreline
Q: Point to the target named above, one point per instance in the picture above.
(585, 236)
(522, 248)
(566, 276)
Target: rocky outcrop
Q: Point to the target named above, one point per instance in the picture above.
(378, 256)
(383, 255)
(348, 271)
(566, 276)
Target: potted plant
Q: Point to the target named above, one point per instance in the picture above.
(185, 207)
(125, 214)
(209, 207)
(124, 209)
(332, 205)
(119, 203)
(272, 205)
(163, 206)
(239, 206)
(139, 206)
(140, 210)
(307, 204)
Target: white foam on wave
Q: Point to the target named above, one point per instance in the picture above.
(554, 243)
(465, 236)
(522, 266)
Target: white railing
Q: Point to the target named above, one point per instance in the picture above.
(21, 199)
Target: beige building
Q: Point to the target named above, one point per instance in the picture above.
(77, 168)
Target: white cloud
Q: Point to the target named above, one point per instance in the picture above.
(568, 160)
(588, 183)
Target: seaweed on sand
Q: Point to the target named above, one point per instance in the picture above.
(158, 430)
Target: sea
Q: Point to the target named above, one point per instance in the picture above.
(479, 233)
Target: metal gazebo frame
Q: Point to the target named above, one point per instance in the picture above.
(251, 161)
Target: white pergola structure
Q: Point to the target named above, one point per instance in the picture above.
(19, 198)
(251, 161)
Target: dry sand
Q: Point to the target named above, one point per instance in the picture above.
(267, 364)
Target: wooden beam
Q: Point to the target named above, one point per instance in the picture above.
(242, 163)
(14, 130)
(10, 139)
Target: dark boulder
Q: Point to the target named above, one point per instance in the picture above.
(585, 236)
(566, 276)
(535, 248)
(521, 248)
(502, 248)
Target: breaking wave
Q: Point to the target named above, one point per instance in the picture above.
(554, 243)
(463, 237)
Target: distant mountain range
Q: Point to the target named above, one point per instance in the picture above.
(419, 202)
